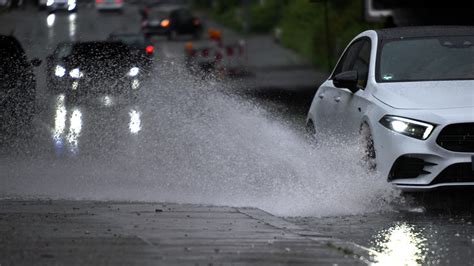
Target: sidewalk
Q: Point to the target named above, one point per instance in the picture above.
(92, 233)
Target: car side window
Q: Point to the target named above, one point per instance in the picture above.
(361, 63)
(347, 60)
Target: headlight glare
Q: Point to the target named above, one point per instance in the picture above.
(165, 23)
(76, 73)
(133, 72)
(408, 127)
(59, 71)
(49, 2)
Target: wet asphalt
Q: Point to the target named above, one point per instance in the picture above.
(431, 229)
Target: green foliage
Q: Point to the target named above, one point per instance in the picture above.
(224, 6)
(301, 26)
(304, 28)
(302, 23)
(264, 15)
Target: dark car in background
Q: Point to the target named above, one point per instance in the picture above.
(61, 5)
(171, 21)
(17, 85)
(91, 68)
(140, 47)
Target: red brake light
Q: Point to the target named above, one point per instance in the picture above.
(149, 49)
(99, 1)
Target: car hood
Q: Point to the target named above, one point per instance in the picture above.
(426, 95)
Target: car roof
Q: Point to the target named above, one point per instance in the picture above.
(424, 31)
(126, 35)
(98, 44)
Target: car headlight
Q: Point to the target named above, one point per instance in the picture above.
(76, 73)
(49, 2)
(71, 2)
(407, 127)
(59, 71)
(133, 72)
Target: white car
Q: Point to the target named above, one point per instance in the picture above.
(109, 5)
(410, 92)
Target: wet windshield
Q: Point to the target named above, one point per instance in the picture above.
(425, 59)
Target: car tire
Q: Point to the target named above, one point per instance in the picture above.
(369, 157)
(310, 132)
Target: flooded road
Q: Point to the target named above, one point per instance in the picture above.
(180, 139)
(405, 237)
(185, 139)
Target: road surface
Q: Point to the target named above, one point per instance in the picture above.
(82, 185)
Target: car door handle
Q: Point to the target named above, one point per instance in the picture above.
(321, 95)
(337, 99)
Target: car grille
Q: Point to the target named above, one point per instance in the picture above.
(457, 137)
(408, 167)
(455, 173)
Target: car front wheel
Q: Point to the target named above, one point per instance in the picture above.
(367, 140)
(310, 132)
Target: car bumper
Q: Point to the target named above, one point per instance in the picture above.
(431, 166)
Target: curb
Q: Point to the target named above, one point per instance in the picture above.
(359, 252)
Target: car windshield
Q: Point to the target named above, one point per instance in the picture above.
(96, 50)
(132, 39)
(426, 59)
(63, 50)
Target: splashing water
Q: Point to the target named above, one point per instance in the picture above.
(198, 143)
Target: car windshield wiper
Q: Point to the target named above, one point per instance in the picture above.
(458, 44)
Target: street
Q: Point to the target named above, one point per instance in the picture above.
(201, 171)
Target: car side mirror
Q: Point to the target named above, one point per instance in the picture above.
(347, 80)
(36, 62)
